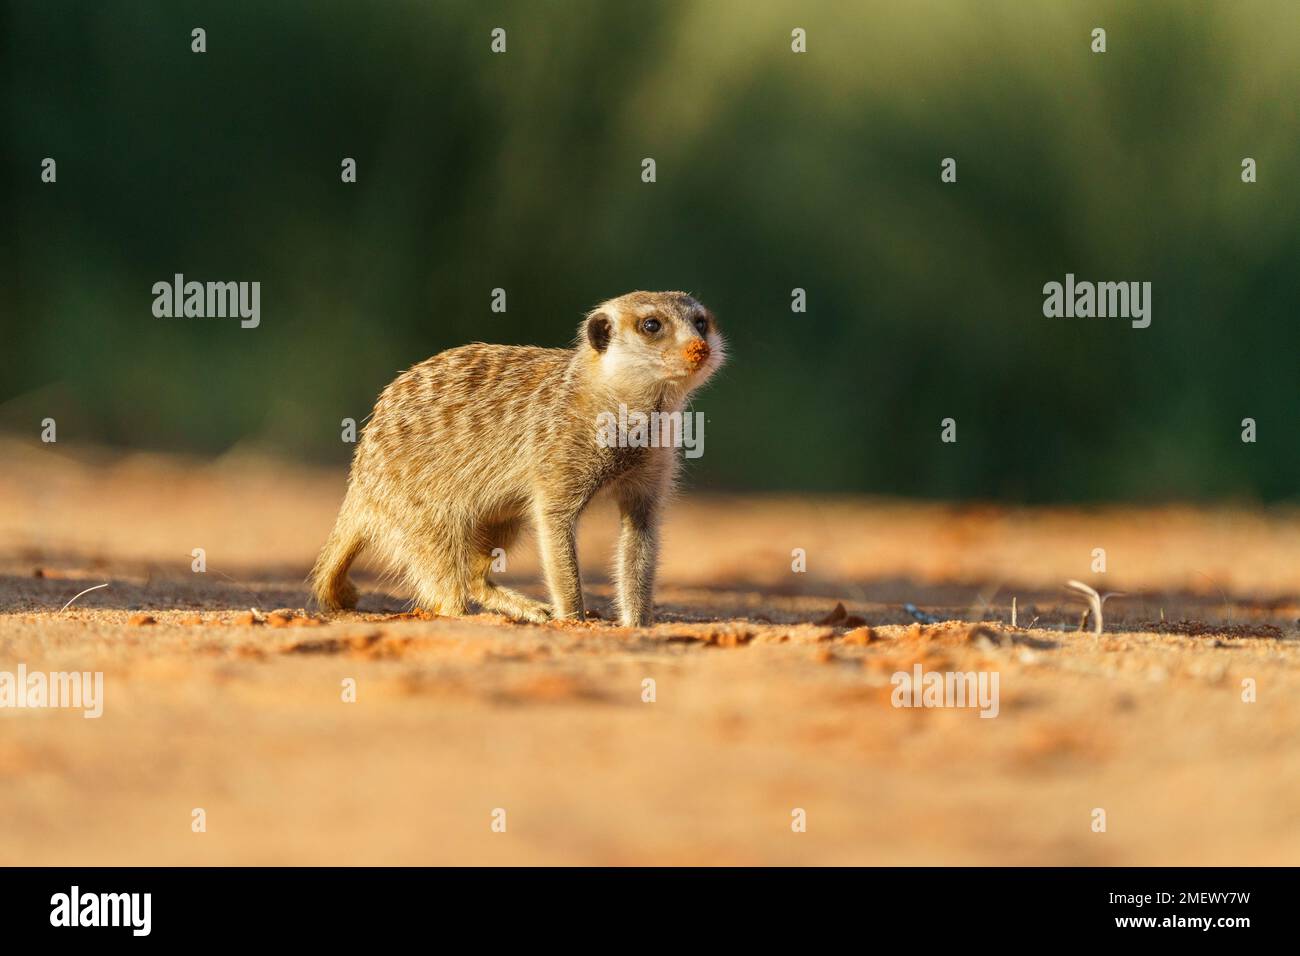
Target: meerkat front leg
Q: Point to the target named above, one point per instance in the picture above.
(638, 554)
(558, 542)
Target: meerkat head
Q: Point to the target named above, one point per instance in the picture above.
(662, 343)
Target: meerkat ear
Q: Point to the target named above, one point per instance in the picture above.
(599, 330)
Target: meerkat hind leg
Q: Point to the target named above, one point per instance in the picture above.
(502, 600)
(432, 594)
(438, 570)
(496, 598)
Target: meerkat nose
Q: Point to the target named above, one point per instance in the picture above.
(697, 352)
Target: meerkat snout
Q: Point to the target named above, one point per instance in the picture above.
(697, 353)
(464, 448)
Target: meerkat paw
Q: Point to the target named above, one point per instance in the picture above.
(538, 614)
(514, 605)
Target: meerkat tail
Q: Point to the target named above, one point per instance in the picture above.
(329, 578)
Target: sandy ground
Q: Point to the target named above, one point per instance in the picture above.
(764, 701)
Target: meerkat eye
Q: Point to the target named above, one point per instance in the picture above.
(651, 326)
(702, 325)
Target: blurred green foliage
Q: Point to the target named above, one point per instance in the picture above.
(775, 171)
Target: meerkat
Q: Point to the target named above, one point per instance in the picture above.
(465, 448)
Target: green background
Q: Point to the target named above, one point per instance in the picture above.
(775, 171)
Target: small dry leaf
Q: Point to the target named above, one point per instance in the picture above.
(861, 635)
(837, 615)
(840, 617)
